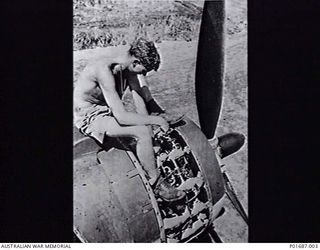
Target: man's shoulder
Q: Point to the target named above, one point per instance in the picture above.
(99, 63)
(96, 67)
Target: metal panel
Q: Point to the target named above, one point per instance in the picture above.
(144, 227)
(132, 195)
(111, 203)
(98, 214)
(116, 164)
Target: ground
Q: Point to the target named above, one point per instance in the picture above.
(173, 87)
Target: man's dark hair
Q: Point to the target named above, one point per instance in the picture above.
(146, 52)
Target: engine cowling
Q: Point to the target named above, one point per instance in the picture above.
(113, 202)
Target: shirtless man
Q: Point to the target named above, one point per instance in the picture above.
(99, 111)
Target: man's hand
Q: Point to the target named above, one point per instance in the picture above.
(171, 117)
(162, 123)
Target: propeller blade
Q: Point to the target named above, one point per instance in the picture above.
(233, 198)
(210, 66)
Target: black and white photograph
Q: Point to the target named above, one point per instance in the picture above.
(160, 121)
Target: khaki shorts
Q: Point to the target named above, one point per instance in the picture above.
(92, 121)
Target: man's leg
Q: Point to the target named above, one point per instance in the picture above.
(144, 142)
(144, 152)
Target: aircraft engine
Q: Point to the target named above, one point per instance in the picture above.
(113, 201)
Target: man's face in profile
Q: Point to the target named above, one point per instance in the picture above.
(138, 68)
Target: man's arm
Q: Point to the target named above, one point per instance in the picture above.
(139, 103)
(138, 84)
(107, 84)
